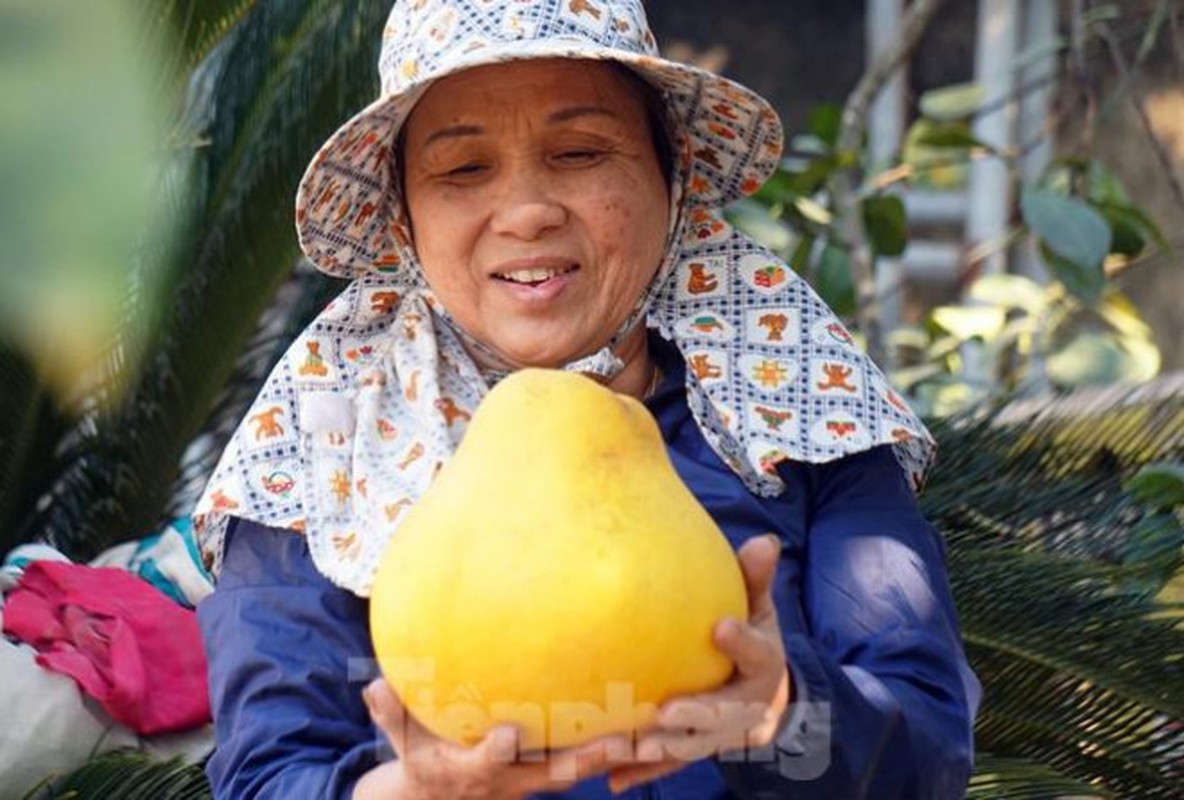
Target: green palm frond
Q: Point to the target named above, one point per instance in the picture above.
(29, 418)
(126, 775)
(1021, 779)
(196, 26)
(1083, 669)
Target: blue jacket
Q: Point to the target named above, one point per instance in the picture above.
(884, 699)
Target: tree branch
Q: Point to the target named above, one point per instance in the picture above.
(1161, 153)
(842, 183)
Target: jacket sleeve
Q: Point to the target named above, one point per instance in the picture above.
(884, 700)
(289, 654)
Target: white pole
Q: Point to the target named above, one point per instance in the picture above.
(990, 197)
(1036, 90)
(885, 134)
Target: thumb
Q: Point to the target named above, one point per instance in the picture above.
(388, 713)
(758, 562)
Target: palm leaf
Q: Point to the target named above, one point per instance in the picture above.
(126, 775)
(30, 424)
(196, 26)
(998, 778)
(1083, 669)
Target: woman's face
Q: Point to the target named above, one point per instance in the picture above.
(538, 207)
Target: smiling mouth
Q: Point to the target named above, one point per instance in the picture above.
(534, 277)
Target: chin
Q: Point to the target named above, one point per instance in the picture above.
(539, 352)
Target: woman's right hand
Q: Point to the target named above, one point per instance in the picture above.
(431, 768)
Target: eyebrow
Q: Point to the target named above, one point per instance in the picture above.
(566, 114)
(563, 115)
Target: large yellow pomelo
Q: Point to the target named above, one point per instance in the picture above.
(557, 575)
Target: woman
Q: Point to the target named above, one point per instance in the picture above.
(535, 187)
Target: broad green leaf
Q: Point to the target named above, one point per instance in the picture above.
(1069, 227)
(1125, 237)
(1135, 224)
(815, 174)
(799, 259)
(1009, 291)
(777, 189)
(834, 281)
(1085, 283)
(825, 121)
(936, 167)
(953, 135)
(1160, 484)
(970, 322)
(957, 101)
(1093, 358)
(1072, 231)
(885, 223)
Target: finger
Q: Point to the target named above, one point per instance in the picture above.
(758, 561)
(622, 779)
(388, 713)
(754, 652)
(730, 709)
(574, 764)
(500, 745)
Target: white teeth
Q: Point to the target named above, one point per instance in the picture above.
(531, 275)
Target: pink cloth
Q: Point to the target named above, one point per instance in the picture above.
(134, 650)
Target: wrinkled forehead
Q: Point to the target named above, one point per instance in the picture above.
(549, 91)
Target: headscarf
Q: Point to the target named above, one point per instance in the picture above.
(373, 397)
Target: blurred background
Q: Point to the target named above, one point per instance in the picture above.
(999, 217)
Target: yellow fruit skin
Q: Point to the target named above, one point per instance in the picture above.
(557, 575)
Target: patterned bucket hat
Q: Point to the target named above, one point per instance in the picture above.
(349, 214)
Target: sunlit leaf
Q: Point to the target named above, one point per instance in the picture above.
(933, 167)
(970, 322)
(1122, 315)
(1009, 291)
(1092, 358)
(813, 210)
(957, 101)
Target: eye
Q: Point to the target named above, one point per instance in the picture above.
(579, 156)
(470, 170)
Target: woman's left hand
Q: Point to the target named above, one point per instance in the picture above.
(744, 712)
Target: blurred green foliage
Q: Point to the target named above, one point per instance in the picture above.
(81, 151)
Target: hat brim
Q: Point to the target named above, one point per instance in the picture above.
(348, 210)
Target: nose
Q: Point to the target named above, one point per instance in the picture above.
(527, 209)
